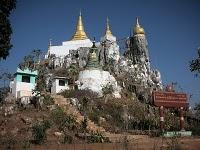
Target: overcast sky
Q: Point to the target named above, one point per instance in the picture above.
(172, 29)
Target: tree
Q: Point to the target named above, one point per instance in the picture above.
(197, 110)
(3, 93)
(31, 61)
(37, 56)
(195, 64)
(6, 6)
(41, 85)
(72, 72)
(6, 76)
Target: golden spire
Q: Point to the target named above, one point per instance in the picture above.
(108, 31)
(80, 33)
(138, 29)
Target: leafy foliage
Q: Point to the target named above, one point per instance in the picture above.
(197, 110)
(79, 94)
(39, 131)
(41, 79)
(3, 93)
(57, 115)
(48, 100)
(83, 127)
(174, 144)
(96, 138)
(6, 6)
(62, 120)
(32, 60)
(108, 89)
(195, 64)
(5, 77)
(195, 128)
(67, 139)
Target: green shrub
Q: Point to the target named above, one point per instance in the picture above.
(70, 122)
(174, 144)
(8, 142)
(108, 89)
(196, 129)
(25, 145)
(48, 100)
(94, 115)
(39, 131)
(67, 139)
(96, 138)
(62, 120)
(79, 94)
(57, 115)
(83, 127)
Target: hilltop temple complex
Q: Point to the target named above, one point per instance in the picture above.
(101, 63)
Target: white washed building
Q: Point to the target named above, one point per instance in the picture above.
(59, 84)
(23, 83)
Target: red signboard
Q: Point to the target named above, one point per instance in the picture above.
(169, 99)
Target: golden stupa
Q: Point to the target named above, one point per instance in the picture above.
(79, 33)
(138, 29)
(108, 31)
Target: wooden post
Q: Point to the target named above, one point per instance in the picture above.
(162, 118)
(181, 119)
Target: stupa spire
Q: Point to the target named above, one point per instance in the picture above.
(108, 31)
(50, 42)
(79, 33)
(138, 29)
(137, 22)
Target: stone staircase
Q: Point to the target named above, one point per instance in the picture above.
(71, 110)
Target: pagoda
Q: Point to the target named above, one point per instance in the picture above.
(93, 62)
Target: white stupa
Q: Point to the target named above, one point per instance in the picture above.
(94, 78)
(112, 50)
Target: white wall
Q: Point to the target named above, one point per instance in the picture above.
(20, 89)
(56, 88)
(63, 50)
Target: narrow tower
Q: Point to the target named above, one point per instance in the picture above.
(108, 31)
(140, 41)
(109, 49)
(79, 33)
(137, 45)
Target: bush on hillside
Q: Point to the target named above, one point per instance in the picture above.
(63, 120)
(48, 100)
(79, 94)
(174, 144)
(97, 138)
(39, 131)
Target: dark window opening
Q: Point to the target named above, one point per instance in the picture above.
(26, 79)
(61, 82)
(70, 82)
